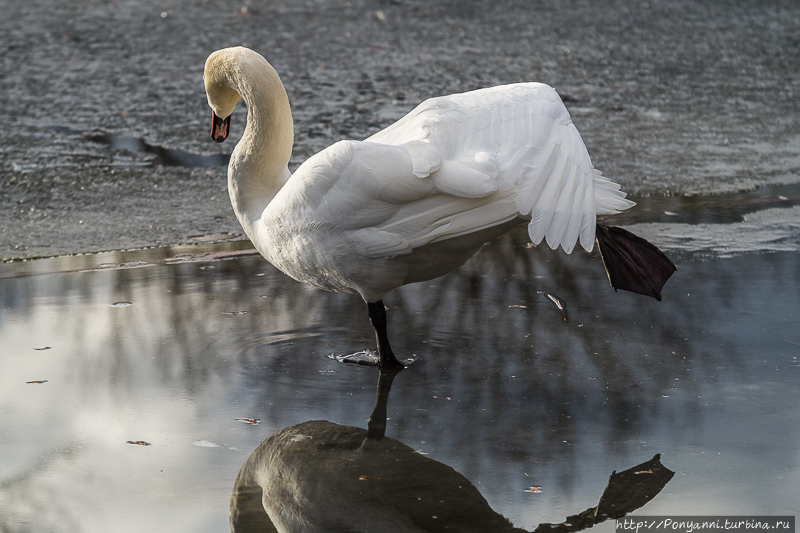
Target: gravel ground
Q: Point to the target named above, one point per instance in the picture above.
(673, 97)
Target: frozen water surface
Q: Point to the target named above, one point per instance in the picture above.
(217, 351)
(106, 124)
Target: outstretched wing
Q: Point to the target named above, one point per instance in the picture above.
(519, 136)
(455, 166)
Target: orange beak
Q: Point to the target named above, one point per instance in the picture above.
(219, 127)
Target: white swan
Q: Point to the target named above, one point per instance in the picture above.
(416, 200)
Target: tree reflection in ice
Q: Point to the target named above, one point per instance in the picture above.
(533, 399)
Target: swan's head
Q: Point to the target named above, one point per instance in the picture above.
(219, 77)
(232, 74)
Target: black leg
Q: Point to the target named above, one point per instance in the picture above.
(377, 315)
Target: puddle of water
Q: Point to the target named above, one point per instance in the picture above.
(505, 392)
(163, 156)
(708, 209)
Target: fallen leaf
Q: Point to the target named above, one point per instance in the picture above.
(139, 442)
(560, 304)
(252, 421)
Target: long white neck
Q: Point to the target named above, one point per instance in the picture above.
(259, 163)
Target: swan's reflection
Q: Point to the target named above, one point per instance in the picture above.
(320, 476)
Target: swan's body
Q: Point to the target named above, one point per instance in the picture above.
(415, 200)
(319, 476)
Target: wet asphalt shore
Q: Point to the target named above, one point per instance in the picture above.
(103, 108)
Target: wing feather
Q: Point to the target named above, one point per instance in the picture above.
(563, 210)
(536, 158)
(549, 180)
(370, 242)
(544, 209)
(575, 223)
(588, 218)
(536, 173)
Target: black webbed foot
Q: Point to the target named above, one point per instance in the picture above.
(632, 263)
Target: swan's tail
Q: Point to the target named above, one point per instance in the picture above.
(632, 263)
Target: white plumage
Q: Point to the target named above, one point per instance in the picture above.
(471, 144)
(415, 200)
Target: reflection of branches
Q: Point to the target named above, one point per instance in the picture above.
(607, 367)
(29, 499)
(566, 371)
